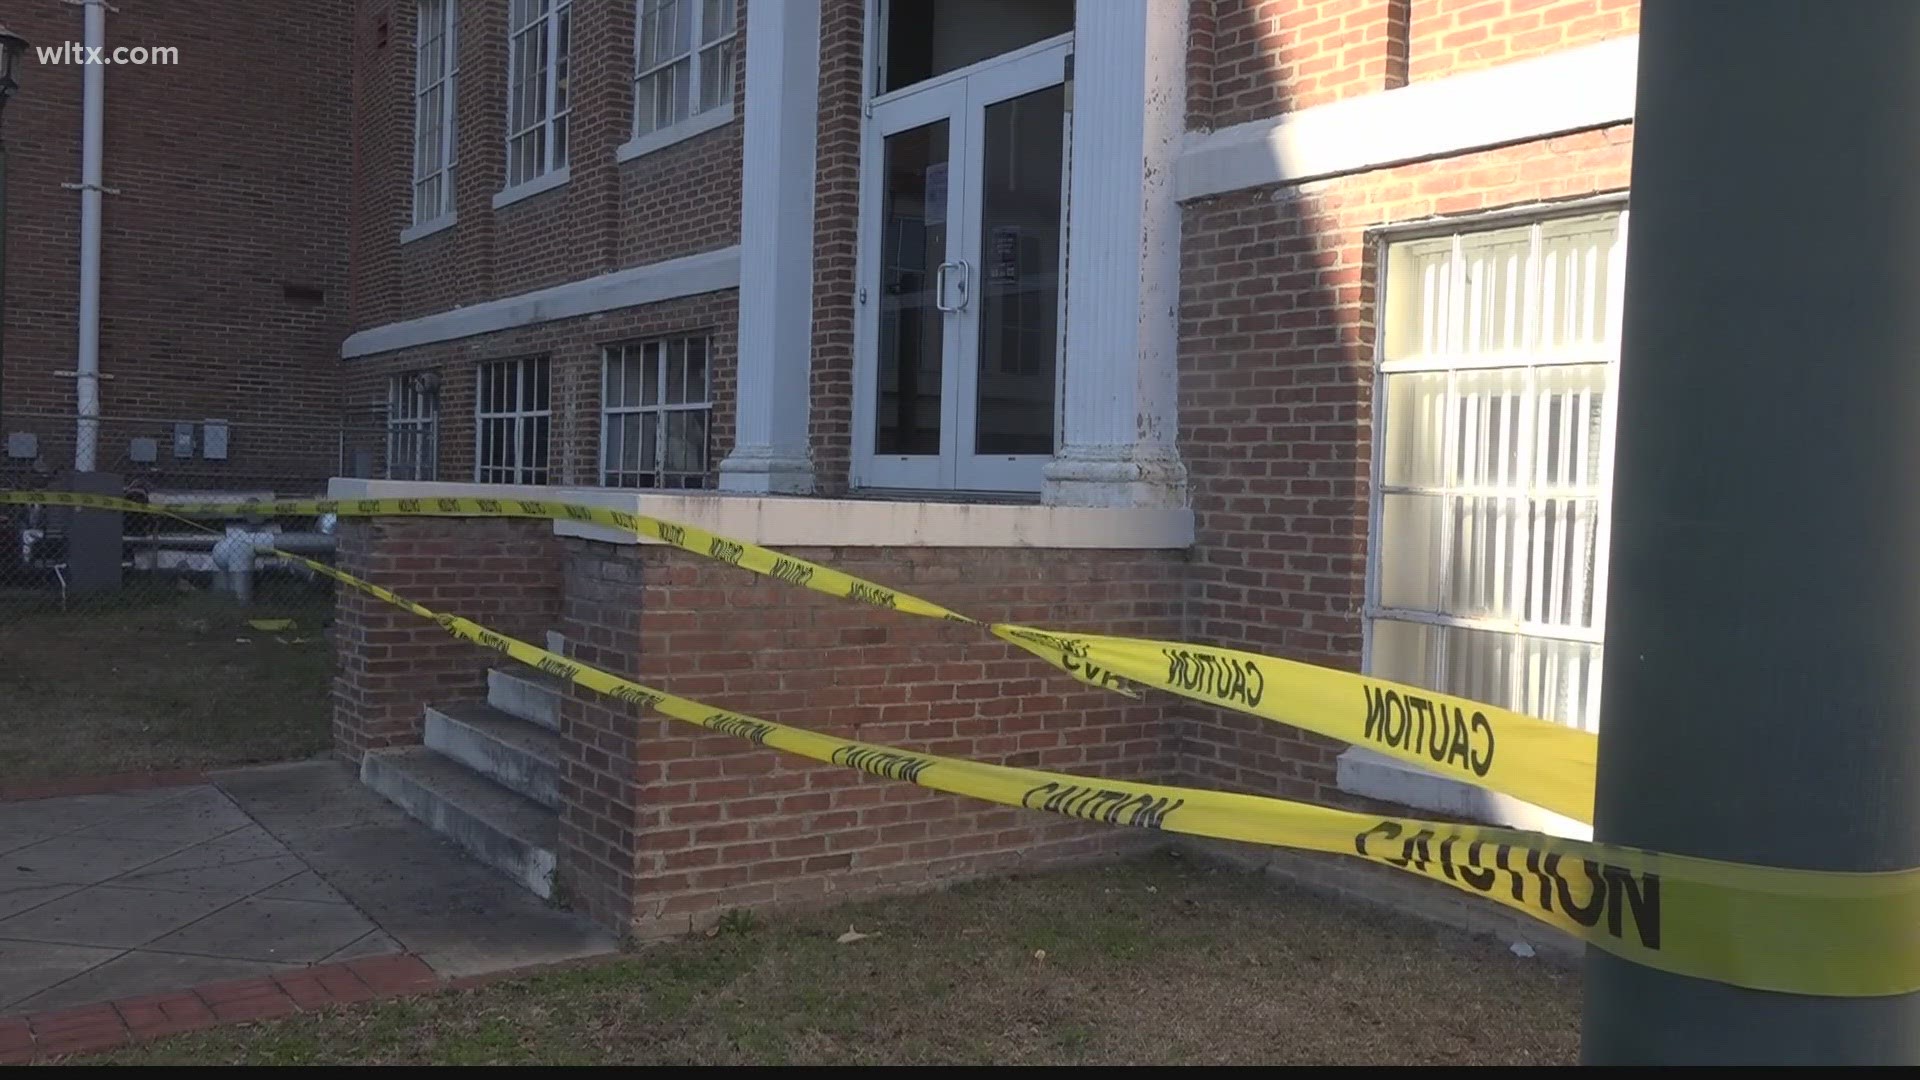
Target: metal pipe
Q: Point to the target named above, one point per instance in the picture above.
(3, 241)
(293, 543)
(86, 386)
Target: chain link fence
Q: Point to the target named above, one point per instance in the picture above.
(138, 641)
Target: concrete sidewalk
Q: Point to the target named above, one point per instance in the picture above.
(265, 870)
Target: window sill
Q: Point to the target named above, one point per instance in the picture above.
(1359, 771)
(642, 145)
(427, 228)
(530, 188)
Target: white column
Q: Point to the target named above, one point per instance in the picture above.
(770, 452)
(1123, 259)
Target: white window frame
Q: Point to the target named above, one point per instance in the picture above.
(510, 469)
(702, 116)
(413, 424)
(1365, 772)
(550, 126)
(661, 408)
(431, 216)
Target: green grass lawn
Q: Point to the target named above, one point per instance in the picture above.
(155, 676)
(1154, 961)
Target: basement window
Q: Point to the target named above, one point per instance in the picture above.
(656, 414)
(413, 422)
(513, 422)
(1496, 364)
(1498, 358)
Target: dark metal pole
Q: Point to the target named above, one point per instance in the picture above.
(3, 254)
(1762, 687)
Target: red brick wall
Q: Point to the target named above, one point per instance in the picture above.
(1200, 40)
(574, 348)
(681, 200)
(231, 177)
(1273, 56)
(1452, 36)
(665, 824)
(1276, 394)
(835, 235)
(1252, 59)
(390, 664)
(676, 201)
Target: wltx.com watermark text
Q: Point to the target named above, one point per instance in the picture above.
(73, 52)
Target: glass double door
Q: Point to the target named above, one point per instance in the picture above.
(963, 207)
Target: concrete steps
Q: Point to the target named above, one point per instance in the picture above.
(514, 753)
(525, 693)
(487, 776)
(505, 830)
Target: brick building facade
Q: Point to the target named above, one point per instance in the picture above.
(1290, 327)
(223, 253)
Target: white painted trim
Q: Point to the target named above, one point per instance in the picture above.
(1591, 86)
(778, 145)
(544, 182)
(1359, 771)
(427, 228)
(800, 522)
(1119, 406)
(691, 275)
(661, 138)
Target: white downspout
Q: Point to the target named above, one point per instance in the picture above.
(87, 374)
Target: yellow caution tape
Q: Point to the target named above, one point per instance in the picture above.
(1765, 928)
(1544, 763)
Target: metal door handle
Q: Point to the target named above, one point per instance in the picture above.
(940, 289)
(940, 286)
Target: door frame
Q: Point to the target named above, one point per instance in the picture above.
(952, 96)
(947, 102)
(994, 84)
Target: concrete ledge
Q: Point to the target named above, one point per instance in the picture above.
(709, 271)
(527, 189)
(692, 127)
(1591, 86)
(1393, 890)
(428, 228)
(1360, 771)
(782, 521)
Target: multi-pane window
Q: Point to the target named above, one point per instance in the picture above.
(413, 418)
(515, 416)
(538, 39)
(658, 405)
(436, 75)
(684, 53)
(1498, 359)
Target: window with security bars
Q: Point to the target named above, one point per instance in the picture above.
(436, 75)
(1498, 356)
(513, 422)
(657, 413)
(413, 422)
(684, 56)
(539, 36)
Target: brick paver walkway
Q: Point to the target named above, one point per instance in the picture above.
(91, 1028)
